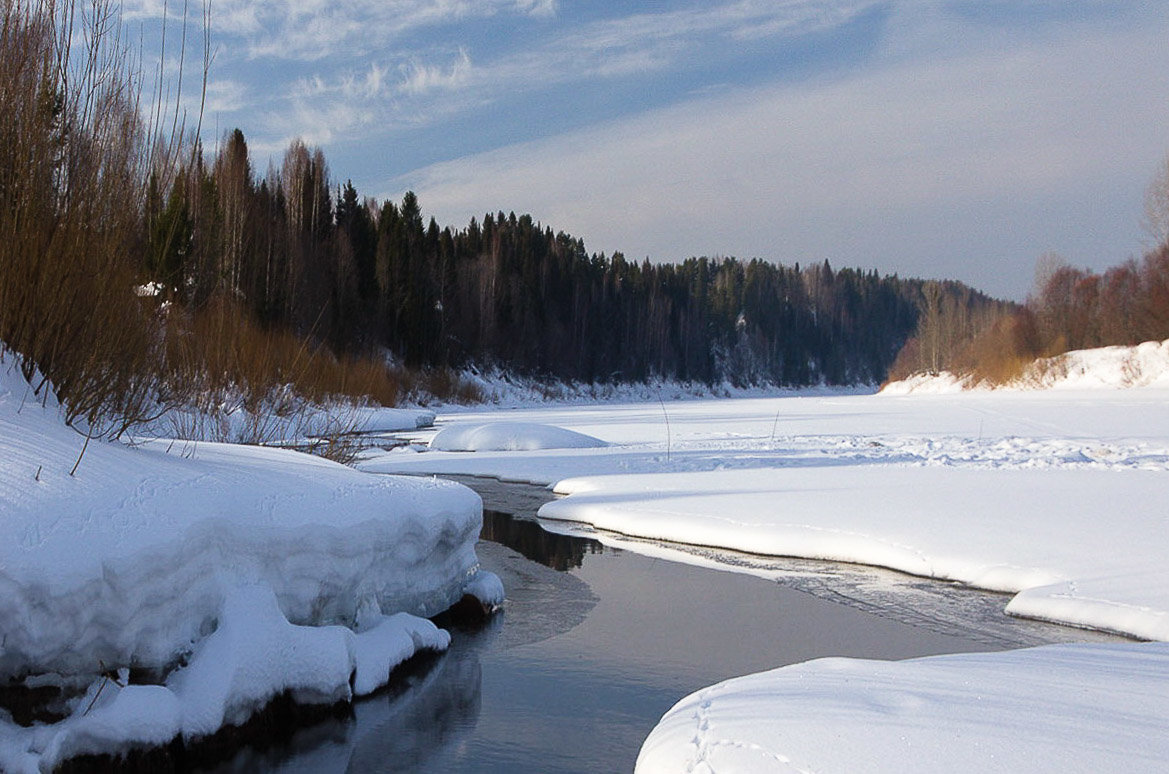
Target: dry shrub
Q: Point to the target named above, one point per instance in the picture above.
(220, 349)
(1001, 352)
(73, 154)
(446, 385)
(907, 362)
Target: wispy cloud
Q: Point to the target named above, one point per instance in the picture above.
(906, 167)
(310, 30)
(424, 78)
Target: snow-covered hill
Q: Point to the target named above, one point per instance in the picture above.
(1143, 365)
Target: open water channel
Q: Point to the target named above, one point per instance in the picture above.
(597, 641)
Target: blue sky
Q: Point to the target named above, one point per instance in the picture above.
(935, 138)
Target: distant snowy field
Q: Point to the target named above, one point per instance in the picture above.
(1056, 495)
(229, 575)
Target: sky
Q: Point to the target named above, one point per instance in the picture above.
(934, 138)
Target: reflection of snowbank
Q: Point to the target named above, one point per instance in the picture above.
(1055, 708)
(253, 567)
(510, 436)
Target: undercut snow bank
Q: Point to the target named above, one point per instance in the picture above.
(510, 436)
(1054, 708)
(233, 575)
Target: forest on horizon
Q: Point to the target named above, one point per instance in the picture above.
(301, 252)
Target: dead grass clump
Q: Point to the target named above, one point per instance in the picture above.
(445, 385)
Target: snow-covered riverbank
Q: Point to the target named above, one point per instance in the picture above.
(1054, 495)
(167, 590)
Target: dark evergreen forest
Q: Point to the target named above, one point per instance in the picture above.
(506, 291)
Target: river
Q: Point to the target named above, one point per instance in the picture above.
(597, 641)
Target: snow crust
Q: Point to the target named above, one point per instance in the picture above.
(1054, 708)
(234, 574)
(1055, 496)
(510, 436)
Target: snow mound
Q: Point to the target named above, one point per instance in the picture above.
(510, 436)
(1054, 708)
(230, 574)
(943, 383)
(1143, 365)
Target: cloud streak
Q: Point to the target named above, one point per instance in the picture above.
(917, 166)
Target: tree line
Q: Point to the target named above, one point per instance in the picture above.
(505, 291)
(1069, 308)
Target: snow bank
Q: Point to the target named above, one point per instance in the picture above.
(1057, 495)
(504, 390)
(1143, 365)
(1054, 708)
(510, 436)
(234, 573)
(1007, 531)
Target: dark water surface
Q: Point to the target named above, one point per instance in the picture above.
(595, 643)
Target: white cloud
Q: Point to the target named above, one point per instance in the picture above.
(422, 79)
(537, 7)
(978, 157)
(225, 95)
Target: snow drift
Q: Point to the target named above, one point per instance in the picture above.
(1054, 708)
(510, 436)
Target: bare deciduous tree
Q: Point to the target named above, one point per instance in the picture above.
(1156, 220)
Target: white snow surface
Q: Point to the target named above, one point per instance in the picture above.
(266, 571)
(509, 436)
(1054, 495)
(1058, 708)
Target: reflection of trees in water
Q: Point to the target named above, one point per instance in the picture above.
(560, 552)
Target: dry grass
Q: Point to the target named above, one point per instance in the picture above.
(442, 384)
(221, 349)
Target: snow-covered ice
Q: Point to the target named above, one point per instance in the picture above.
(232, 574)
(1055, 495)
(509, 436)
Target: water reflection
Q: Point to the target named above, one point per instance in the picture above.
(560, 552)
(416, 727)
(593, 646)
(415, 732)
